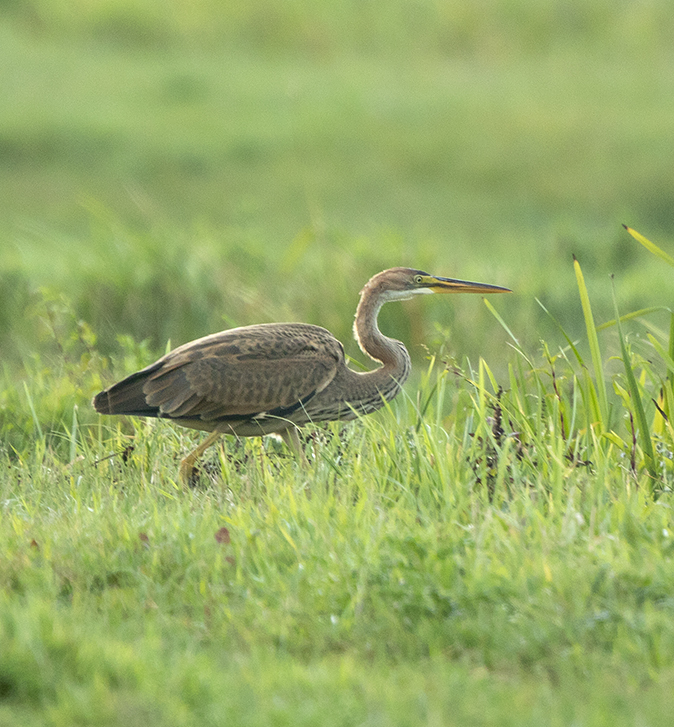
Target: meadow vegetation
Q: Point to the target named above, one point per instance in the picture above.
(496, 546)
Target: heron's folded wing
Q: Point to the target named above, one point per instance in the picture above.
(244, 373)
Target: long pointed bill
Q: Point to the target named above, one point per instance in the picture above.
(450, 285)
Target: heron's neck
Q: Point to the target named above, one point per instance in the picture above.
(391, 353)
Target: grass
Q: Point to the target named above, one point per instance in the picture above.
(388, 553)
(471, 556)
(493, 548)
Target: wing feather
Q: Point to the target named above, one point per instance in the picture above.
(244, 372)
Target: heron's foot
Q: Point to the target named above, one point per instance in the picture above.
(188, 473)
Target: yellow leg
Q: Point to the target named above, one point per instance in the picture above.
(292, 440)
(187, 464)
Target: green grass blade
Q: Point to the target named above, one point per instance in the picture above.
(664, 355)
(634, 314)
(73, 435)
(668, 406)
(639, 413)
(594, 344)
(590, 395)
(33, 413)
(650, 246)
(671, 349)
(496, 315)
(572, 345)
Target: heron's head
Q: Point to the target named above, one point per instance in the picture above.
(405, 283)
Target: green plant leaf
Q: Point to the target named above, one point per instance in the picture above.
(639, 413)
(634, 314)
(496, 315)
(594, 344)
(651, 246)
(572, 345)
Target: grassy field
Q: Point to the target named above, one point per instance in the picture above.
(493, 549)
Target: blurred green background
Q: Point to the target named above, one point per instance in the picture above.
(170, 169)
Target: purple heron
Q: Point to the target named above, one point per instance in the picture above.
(273, 378)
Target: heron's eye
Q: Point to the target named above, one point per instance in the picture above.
(418, 279)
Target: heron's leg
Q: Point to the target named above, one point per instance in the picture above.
(187, 464)
(292, 440)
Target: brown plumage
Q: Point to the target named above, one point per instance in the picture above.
(275, 377)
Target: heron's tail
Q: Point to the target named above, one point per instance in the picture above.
(126, 397)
